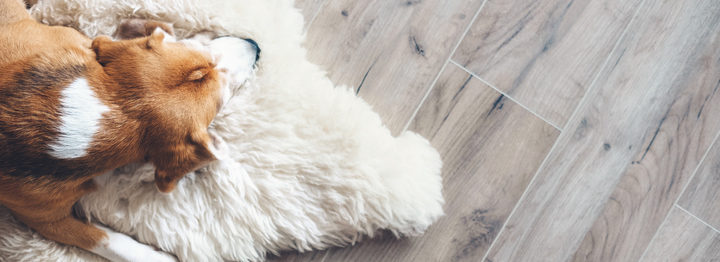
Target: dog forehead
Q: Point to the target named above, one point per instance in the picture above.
(199, 46)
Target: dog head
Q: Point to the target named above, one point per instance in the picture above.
(175, 89)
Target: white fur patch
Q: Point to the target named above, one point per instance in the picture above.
(119, 247)
(81, 112)
(234, 58)
(168, 37)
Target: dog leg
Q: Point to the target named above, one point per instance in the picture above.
(120, 247)
(47, 208)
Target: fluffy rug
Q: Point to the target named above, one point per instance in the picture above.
(312, 165)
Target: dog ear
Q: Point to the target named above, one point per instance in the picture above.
(172, 163)
(99, 42)
(99, 46)
(165, 181)
(136, 28)
(151, 26)
(157, 37)
(155, 40)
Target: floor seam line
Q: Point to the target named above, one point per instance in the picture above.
(325, 256)
(583, 100)
(312, 19)
(442, 69)
(682, 192)
(698, 219)
(506, 95)
(522, 196)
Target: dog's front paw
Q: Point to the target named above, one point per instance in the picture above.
(119, 247)
(160, 256)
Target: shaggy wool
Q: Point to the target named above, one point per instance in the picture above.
(311, 165)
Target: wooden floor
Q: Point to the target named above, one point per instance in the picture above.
(570, 129)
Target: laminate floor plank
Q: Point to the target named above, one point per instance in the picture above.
(544, 54)
(491, 148)
(610, 182)
(661, 74)
(684, 238)
(654, 179)
(309, 9)
(389, 51)
(702, 196)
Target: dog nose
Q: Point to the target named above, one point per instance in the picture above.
(255, 46)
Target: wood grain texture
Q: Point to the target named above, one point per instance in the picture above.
(491, 148)
(295, 256)
(684, 238)
(616, 170)
(702, 196)
(390, 51)
(309, 9)
(614, 128)
(658, 173)
(544, 54)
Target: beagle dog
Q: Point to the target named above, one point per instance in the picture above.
(72, 108)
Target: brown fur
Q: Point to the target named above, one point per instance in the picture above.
(136, 28)
(162, 97)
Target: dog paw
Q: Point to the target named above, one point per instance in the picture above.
(119, 247)
(160, 256)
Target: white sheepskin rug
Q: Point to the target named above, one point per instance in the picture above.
(312, 165)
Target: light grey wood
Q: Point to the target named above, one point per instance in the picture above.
(309, 9)
(648, 80)
(702, 196)
(390, 51)
(684, 238)
(491, 148)
(614, 173)
(294, 256)
(666, 161)
(544, 53)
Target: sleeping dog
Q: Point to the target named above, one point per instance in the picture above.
(72, 108)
